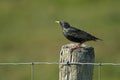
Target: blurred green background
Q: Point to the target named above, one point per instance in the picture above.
(28, 34)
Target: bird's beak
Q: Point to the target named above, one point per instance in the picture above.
(57, 22)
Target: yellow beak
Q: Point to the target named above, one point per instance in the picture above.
(57, 22)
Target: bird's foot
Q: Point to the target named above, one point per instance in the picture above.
(76, 46)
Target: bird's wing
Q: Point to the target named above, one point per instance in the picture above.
(77, 33)
(80, 34)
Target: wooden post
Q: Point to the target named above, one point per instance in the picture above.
(78, 71)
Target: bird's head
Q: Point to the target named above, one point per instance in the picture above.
(63, 24)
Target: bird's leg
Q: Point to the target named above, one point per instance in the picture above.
(77, 46)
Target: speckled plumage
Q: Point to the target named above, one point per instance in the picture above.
(74, 34)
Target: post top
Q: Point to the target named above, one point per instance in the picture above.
(74, 44)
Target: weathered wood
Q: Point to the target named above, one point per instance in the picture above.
(76, 72)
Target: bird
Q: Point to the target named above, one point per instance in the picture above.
(74, 34)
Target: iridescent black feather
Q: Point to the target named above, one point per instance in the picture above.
(76, 35)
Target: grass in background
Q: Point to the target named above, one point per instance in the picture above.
(28, 32)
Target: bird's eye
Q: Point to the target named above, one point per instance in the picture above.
(66, 25)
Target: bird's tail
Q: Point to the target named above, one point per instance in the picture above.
(98, 39)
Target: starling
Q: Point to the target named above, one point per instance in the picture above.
(74, 34)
